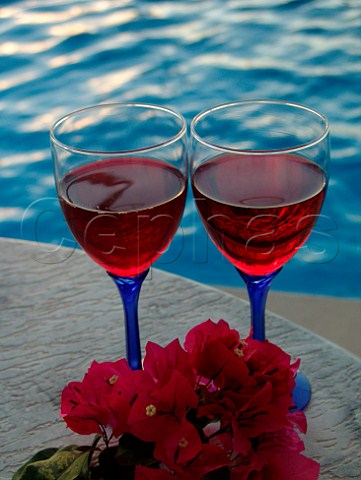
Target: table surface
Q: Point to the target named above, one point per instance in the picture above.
(59, 311)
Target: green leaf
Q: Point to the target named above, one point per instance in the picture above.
(41, 455)
(78, 469)
(67, 463)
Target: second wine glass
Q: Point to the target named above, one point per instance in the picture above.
(121, 177)
(259, 178)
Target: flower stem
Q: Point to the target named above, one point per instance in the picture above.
(104, 435)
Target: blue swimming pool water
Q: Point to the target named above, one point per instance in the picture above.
(59, 56)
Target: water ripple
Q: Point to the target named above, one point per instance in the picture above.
(188, 55)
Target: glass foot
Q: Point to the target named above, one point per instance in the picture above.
(301, 393)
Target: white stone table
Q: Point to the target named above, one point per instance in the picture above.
(59, 311)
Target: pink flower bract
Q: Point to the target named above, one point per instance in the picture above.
(217, 405)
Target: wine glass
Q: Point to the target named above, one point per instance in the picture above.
(121, 178)
(259, 178)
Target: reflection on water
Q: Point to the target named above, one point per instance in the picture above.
(67, 54)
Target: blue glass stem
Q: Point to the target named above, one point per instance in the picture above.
(257, 288)
(257, 291)
(129, 289)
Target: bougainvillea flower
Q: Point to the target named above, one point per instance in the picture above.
(179, 447)
(159, 361)
(216, 355)
(136, 383)
(209, 459)
(81, 410)
(163, 408)
(220, 364)
(209, 331)
(84, 419)
(269, 363)
(276, 456)
(103, 376)
(278, 464)
(219, 406)
(298, 420)
(211, 360)
(291, 465)
(259, 414)
(87, 407)
(249, 403)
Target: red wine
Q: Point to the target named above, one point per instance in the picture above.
(259, 210)
(123, 212)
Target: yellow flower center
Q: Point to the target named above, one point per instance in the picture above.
(112, 379)
(238, 352)
(150, 410)
(183, 443)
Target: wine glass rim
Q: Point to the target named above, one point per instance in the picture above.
(250, 151)
(150, 106)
